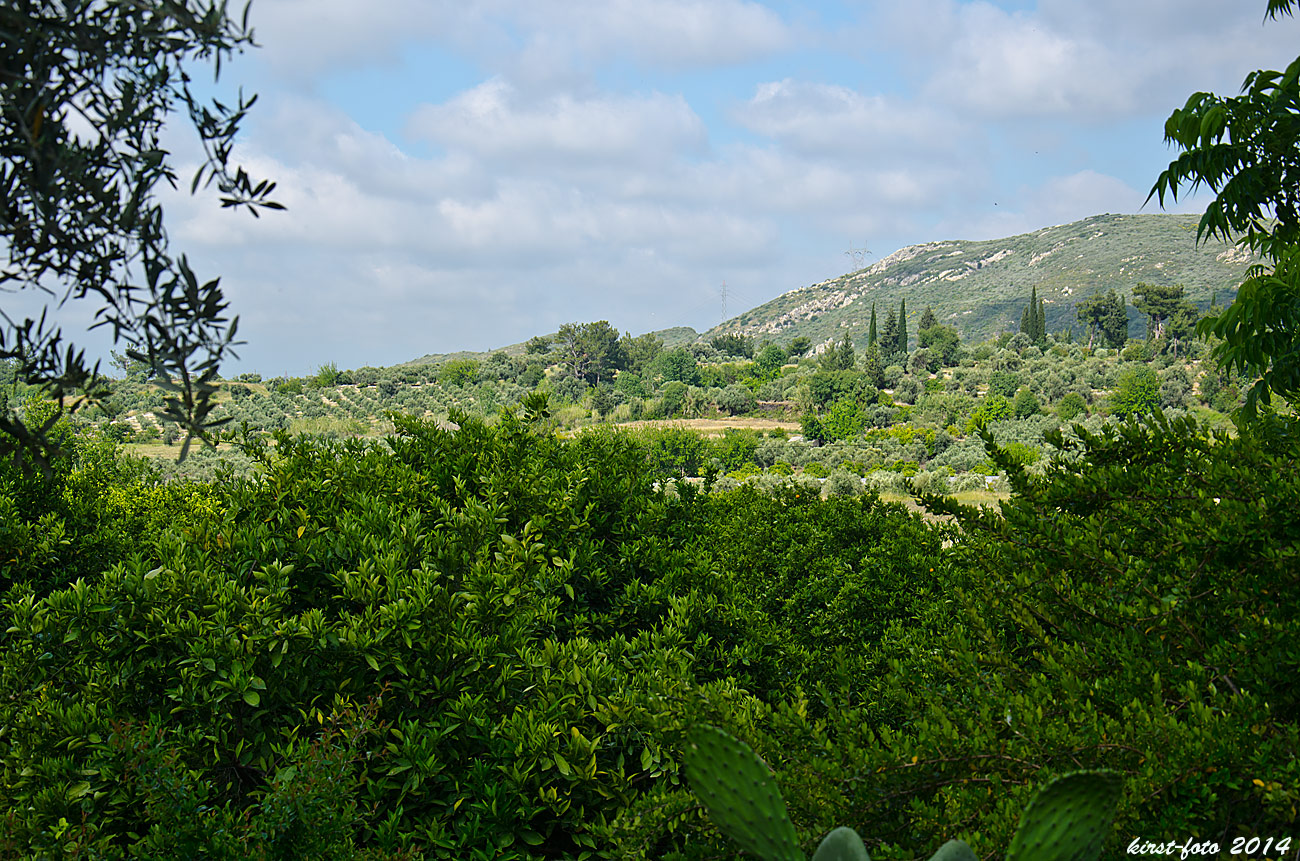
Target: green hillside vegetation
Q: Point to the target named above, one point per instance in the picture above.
(980, 287)
(866, 420)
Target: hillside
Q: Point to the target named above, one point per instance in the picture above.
(981, 287)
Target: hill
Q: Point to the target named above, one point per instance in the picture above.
(981, 287)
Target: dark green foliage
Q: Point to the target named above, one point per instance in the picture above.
(942, 344)
(871, 332)
(1025, 404)
(677, 365)
(839, 357)
(1105, 317)
(888, 342)
(1260, 332)
(733, 345)
(902, 344)
(1004, 383)
(799, 347)
(590, 351)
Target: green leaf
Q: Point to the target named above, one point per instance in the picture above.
(253, 698)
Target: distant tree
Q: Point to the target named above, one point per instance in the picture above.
(640, 351)
(889, 335)
(589, 351)
(326, 376)
(928, 319)
(1137, 390)
(871, 333)
(675, 364)
(132, 370)
(1033, 319)
(839, 358)
(943, 343)
(736, 399)
(902, 326)
(1004, 383)
(458, 372)
(1158, 302)
(798, 347)
(873, 366)
(1071, 406)
(769, 360)
(538, 346)
(602, 400)
(734, 345)
(1105, 315)
(1025, 404)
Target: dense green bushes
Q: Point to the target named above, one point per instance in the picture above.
(508, 632)
(489, 642)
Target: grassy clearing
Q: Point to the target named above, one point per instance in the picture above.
(978, 498)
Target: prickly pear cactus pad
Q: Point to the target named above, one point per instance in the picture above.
(1069, 819)
(741, 796)
(954, 850)
(842, 844)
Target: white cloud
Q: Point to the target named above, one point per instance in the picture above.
(308, 37)
(496, 123)
(820, 118)
(1089, 62)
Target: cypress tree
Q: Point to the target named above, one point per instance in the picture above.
(871, 333)
(1026, 324)
(902, 325)
(889, 335)
(1040, 323)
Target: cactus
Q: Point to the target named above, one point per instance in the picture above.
(741, 794)
(842, 844)
(1067, 821)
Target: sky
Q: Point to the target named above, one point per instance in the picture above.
(464, 175)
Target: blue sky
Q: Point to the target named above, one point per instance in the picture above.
(463, 175)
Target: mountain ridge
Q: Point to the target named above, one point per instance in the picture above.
(1064, 263)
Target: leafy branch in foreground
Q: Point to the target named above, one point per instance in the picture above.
(85, 90)
(1246, 149)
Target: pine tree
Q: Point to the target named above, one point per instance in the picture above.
(902, 325)
(927, 319)
(871, 333)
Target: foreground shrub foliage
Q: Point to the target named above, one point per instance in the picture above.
(489, 642)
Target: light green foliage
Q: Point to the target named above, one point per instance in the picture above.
(1137, 390)
(458, 372)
